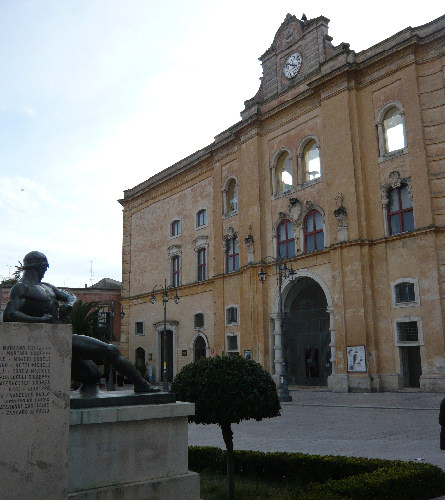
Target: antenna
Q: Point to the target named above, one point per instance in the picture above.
(91, 272)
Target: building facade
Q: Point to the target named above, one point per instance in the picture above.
(337, 167)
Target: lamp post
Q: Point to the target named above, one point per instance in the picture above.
(110, 383)
(165, 299)
(281, 271)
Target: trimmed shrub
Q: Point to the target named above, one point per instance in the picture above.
(330, 477)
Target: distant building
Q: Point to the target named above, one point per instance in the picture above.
(337, 165)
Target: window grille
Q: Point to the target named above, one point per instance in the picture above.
(231, 315)
(405, 293)
(232, 342)
(407, 331)
(139, 328)
(199, 320)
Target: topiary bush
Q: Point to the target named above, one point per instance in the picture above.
(227, 390)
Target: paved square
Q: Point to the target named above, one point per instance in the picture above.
(401, 425)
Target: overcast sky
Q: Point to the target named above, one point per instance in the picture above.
(98, 95)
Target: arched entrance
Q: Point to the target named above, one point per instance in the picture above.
(306, 334)
(199, 348)
(140, 360)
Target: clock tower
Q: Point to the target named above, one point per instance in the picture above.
(298, 50)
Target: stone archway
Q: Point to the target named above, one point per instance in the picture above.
(307, 334)
(336, 382)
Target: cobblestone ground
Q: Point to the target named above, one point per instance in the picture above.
(402, 425)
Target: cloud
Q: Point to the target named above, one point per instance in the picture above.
(29, 111)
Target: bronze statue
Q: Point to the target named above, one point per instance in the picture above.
(32, 301)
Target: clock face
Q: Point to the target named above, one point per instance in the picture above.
(292, 65)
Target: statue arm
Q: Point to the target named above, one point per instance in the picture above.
(66, 297)
(16, 303)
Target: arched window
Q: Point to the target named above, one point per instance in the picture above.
(283, 173)
(390, 123)
(285, 239)
(232, 196)
(313, 232)
(201, 218)
(232, 255)
(400, 211)
(393, 130)
(311, 161)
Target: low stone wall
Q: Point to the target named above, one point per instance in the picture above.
(133, 452)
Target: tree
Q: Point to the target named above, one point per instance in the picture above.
(12, 280)
(227, 390)
(85, 319)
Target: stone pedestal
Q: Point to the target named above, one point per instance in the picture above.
(131, 452)
(35, 364)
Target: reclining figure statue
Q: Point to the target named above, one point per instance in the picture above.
(32, 301)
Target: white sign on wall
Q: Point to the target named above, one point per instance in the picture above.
(356, 358)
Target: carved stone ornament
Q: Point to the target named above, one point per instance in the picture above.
(394, 179)
(309, 205)
(294, 208)
(230, 232)
(249, 239)
(341, 216)
(174, 250)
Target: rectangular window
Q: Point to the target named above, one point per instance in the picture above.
(407, 331)
(202, 258)
(405, 293)
(175, 228)
(175, 271)
(232, 256)
(231, 315)
(139, 328)
(201, 218)
(232, 342)
(199, 320)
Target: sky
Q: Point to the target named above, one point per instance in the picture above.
(97, 96)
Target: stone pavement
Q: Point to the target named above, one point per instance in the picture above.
(402, 425)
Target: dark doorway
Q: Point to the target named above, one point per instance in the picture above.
(199, 348)
(411, 366)
(140, 360)
(169, 335)
(306, 334)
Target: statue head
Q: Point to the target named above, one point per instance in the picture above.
(35, 260)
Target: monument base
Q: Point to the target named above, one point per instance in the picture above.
(134, 452)
(184, 487)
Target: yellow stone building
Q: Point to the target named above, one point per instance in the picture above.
(338, 167)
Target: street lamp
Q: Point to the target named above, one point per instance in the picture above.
(110, 383)
(281, 271)
(165, 299)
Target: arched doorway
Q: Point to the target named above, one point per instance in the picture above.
(306, 334)
(199, 348)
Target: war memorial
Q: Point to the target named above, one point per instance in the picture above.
(85, 444)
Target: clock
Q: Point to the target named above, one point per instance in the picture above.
(292, 65)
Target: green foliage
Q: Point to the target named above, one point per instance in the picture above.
(330, 477)
(14, 278)
(84, 318)
(227, 389)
